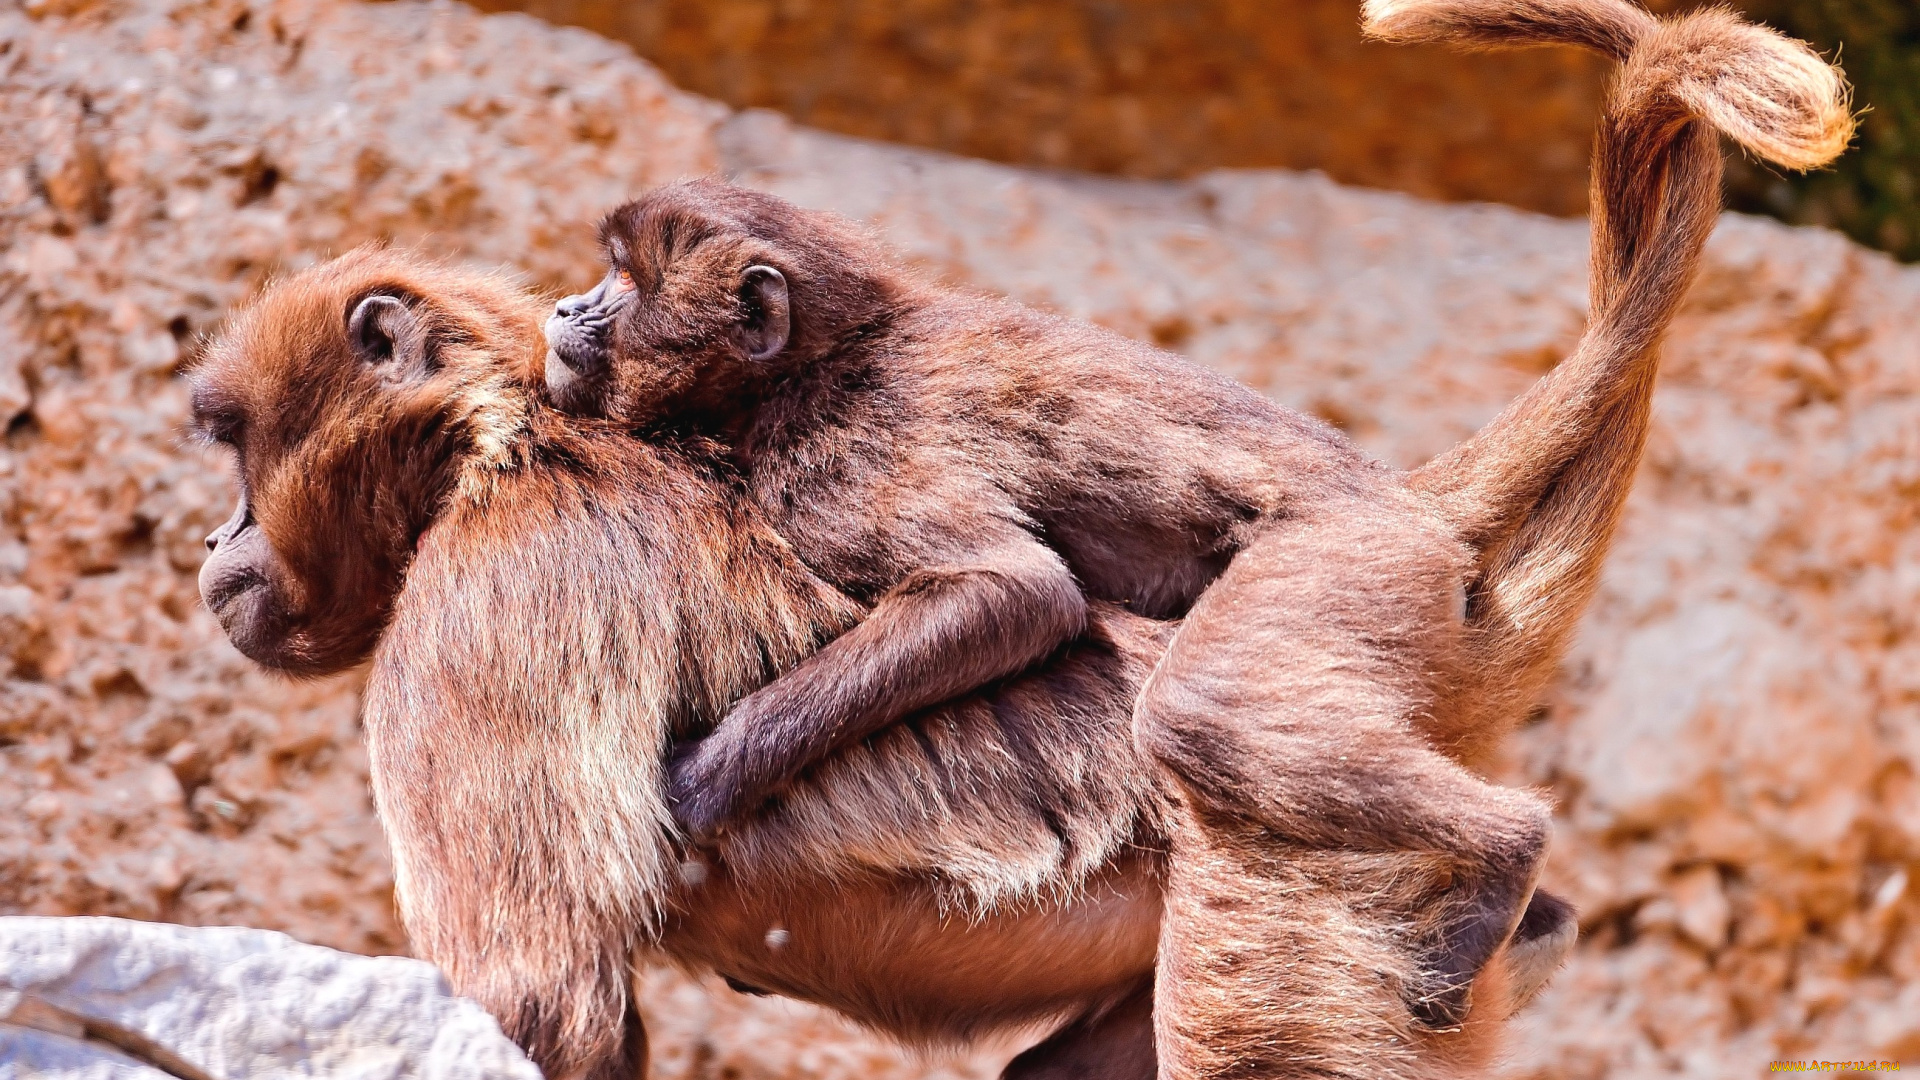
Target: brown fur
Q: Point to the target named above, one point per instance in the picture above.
(1539, 491)
(973, 469)
(978, 472)
(1532, 500)
(574, 602)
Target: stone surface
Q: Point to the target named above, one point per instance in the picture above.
(1141, 88)
(235, 1002)
(1735, 741)
(1147, 88)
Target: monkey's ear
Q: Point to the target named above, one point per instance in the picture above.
(391, 336)
(766, 318)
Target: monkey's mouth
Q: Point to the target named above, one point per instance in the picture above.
(245, 605)
(579, 345)
(223, 594)
(574, 384)
(254, 614)
(578, 350)
(577, 359)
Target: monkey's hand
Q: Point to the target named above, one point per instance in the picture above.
(706, 786)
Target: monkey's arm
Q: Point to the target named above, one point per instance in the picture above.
(941, 632)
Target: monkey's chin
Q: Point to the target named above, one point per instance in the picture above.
(292, 655)
(246, 614)
(257, 625)
(572, 390)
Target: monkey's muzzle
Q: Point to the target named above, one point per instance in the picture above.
(578, 334)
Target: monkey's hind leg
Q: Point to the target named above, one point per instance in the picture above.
(1289, 699)
(1279, 962)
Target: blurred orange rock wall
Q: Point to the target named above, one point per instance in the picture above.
(1142, 88)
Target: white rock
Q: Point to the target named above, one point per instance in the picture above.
(233, 1003)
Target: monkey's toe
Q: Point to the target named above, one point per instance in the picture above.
(1539, 947)
(1490, 916)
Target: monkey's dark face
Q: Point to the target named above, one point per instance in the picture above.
(712, 291)
(249, 587)
(348, 399)
(579, 342)
(667, 321)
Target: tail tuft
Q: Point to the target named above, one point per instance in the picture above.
(1771, 94)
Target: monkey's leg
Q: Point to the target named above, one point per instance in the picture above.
(1289, 698)
(1279, 962)
(1115, 1043)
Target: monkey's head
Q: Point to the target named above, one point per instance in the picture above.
(712, 291)
(353, 397)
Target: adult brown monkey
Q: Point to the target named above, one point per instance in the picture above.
(976, 470)
(548, 605)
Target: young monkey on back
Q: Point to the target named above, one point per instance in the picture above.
(977, 472)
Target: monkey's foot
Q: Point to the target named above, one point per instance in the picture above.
(1539, 946)
(1489, 917)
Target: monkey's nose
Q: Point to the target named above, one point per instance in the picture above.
(572, 305)
(242, 517)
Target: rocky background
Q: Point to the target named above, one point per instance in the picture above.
(1734, 743)
(1142, 88)
(1147, 88)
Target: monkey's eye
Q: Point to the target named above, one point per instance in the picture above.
(623, 279)
(218, 425)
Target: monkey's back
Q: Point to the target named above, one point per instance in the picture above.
(1143, 469)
